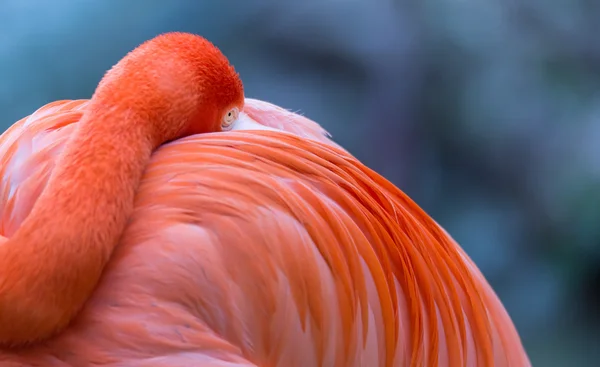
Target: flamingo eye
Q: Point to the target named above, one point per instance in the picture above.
(229, 118)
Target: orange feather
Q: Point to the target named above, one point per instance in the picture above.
(268, 245)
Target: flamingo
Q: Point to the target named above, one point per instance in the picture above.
(171, 221)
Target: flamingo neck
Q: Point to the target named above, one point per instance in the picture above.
(52, 264)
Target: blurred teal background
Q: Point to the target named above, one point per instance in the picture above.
(487, 113)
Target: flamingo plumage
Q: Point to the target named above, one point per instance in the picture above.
(263, 245)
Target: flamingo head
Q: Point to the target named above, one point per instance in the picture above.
(178, 83)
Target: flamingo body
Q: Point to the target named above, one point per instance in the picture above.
(262, 247)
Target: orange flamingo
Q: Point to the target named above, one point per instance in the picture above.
(248, 239)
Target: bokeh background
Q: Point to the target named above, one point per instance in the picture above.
(487, 113)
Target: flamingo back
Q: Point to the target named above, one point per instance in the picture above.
(263, 248)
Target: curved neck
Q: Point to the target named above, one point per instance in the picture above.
(52, 264)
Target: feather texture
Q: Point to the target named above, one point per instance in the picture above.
(263, 248)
